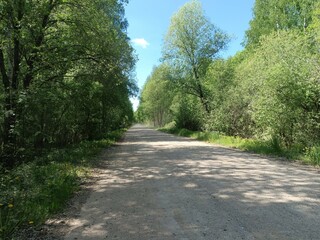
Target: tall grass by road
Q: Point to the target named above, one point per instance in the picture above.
(33, 191)
(310, 155)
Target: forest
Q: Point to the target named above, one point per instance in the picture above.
(66, 73)
(268, 93)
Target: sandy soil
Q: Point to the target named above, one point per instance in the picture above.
(157, 186)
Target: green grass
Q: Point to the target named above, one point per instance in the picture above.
(32, 192)
(312, 155)
(272, 147)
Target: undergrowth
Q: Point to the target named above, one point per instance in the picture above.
(272, 147)
(33, 191)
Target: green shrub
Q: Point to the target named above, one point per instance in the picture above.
(313, 154)
(33, 191)
(271, 147)
(185, 132)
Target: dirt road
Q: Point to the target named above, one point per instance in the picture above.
(158, 186)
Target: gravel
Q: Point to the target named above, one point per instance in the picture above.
(157, 186)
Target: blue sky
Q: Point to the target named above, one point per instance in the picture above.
(150, 19)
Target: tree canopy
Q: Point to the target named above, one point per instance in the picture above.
(275, 15)
(269, 91)
(190, 44)
(66, 72)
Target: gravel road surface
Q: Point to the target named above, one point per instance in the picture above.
(157, 186)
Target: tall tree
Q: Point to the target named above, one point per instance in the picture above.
(280, 85)
(157, 95)
(190, 44)
(53, 52)
(22, 39)
(275, 15)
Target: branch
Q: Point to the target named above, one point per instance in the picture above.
(38, 43)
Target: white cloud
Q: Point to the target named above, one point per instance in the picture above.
(141, 42)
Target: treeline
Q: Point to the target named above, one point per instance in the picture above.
(269, 91)
(66, 73)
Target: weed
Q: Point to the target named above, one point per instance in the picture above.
(31, 192)
(313, 154)
(271, 147)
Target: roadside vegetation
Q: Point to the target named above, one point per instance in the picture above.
(267, 147)
(34, 191)
(66, 74)
(265, 98)
(66, 70)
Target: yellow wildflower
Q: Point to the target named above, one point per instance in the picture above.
(10, 205)
(30, 222)
(1, 204)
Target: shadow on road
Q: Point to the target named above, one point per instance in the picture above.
(157, 186)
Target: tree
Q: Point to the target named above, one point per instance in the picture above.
(187, 112)
(157, 95)
(190, 45)
(22, 40)
(66, 70)
(280, 85)
(314, 27)
(219, 81)
(274, 15)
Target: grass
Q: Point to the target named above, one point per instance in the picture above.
(32, 192)
(313, 154)
(272, 147)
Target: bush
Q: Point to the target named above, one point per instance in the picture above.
(33, 191)
(271, 147)
(313, 154)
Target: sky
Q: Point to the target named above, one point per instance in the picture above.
(149, 21)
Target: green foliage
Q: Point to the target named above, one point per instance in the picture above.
(226, 115)
(66, 72)
(275, 15)
(33, 191)
(187, 112)
(313, 155)
(190, 44)
(268, 92)
(178, 89)
(280, 78)
(271, 147)
(155, 98)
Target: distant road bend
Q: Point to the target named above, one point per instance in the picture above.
(158, 186)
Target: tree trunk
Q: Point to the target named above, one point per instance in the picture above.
(203, 100)
(10, 116)
(10, 81)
